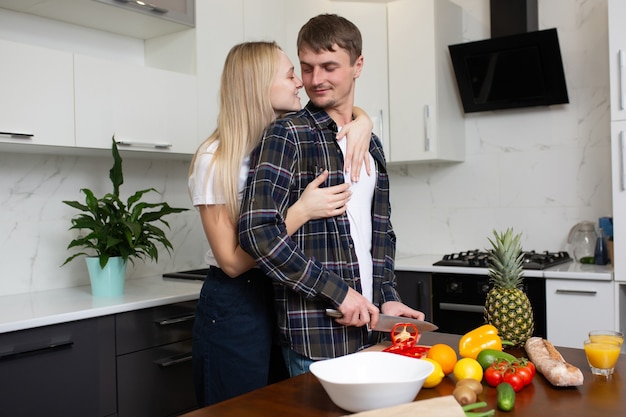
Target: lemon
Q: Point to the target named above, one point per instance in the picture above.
(435, 376)
(468, 368)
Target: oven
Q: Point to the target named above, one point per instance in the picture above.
(458, 299)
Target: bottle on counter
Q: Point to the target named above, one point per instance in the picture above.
(601, 255)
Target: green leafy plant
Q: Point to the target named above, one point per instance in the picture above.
(117, 228)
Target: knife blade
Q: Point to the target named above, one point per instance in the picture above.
(386, 322)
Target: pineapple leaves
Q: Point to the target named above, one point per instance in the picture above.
(114, 228)
(505, 260)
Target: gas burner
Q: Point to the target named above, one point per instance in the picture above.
(480, 259)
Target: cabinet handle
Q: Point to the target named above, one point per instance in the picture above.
(36, 348)
(173, 360)
(621, 154)
(381, 127)
(144, 144)
(470, 308)
(143, 5)
(576, 292)
(427, 128)
(175, 320)
(622, 80)
(418, 294)
(17, 135)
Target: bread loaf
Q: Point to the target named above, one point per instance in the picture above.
(551, 364)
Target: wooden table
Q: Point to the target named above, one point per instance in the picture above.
(303, 395)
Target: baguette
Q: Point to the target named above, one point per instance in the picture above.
(551, 364)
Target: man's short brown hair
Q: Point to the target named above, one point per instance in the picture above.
(323, 32)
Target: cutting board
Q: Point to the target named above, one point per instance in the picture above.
(445, 406)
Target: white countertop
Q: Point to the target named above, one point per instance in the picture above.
(43, 308)
(569, 270)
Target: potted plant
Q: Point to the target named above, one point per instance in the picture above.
(117, 231)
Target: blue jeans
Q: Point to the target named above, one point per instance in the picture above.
(296, 363)
(232, 335)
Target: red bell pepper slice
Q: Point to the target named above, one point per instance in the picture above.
(404, 337)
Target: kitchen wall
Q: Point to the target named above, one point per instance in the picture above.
(539, 170)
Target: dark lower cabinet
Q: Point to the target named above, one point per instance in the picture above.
(61, 370)
(415, 291)
(130, 364)
(154, 374)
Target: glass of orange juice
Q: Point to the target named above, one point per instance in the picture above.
(602, 356)
(611, 336)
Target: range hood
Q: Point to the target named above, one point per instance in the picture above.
(510, 17)
(519, 66)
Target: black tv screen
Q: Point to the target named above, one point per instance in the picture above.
(507, 72)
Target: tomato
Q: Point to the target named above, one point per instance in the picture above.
(493, 376)
(526, 369)
(513, 378)
(525, 373)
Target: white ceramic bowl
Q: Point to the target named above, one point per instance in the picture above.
(369, 380)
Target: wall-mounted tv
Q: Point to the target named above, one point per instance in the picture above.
(507, 72)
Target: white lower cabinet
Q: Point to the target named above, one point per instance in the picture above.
(37, 99)
(574, 307)
(146, 109)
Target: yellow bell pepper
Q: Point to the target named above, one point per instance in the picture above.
(483, 337)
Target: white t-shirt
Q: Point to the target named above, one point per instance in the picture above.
(201, 186)
(360, 216)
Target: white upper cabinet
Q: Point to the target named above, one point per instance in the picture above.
(617, 58)
(372, 92)
(371, 18)
(618, 163)
(617, 65)
(427, 121)
(219, 27)
(37, 100)
(143, 20)
(146, 109)
(298, 13)
(265, 21)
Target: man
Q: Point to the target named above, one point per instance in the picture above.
(344, 262)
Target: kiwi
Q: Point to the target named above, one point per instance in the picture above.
(475, 386)
(464, 395)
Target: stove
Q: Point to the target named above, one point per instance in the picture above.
(480, 259)
(190, 275)
(458, 299)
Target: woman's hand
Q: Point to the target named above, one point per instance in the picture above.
(318, 203)
(359, 134)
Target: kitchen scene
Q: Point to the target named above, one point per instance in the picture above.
(79, 75)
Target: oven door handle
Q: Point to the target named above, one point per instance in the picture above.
(470, 308)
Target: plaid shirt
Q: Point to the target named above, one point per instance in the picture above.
(317, 264)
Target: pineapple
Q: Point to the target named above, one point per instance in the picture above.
(507, 306)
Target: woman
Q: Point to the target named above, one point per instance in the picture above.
(234, 324)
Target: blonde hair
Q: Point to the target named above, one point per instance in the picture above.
(245, 110)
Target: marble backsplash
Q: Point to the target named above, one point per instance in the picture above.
(538, 170)
(34, 223)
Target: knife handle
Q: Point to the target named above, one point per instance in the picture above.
(334, 313)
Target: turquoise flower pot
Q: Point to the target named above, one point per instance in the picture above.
(107, 281)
